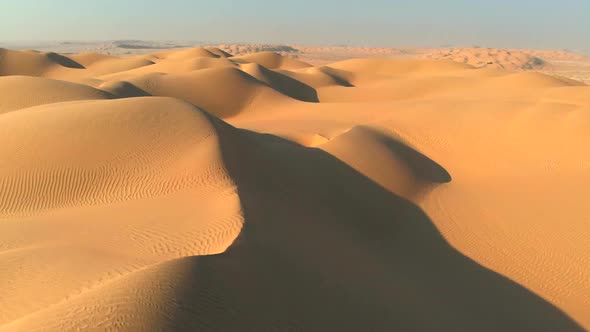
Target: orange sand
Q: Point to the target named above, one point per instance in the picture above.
(193, 190)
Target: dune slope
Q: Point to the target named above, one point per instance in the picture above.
(25, 91)
(193, 190)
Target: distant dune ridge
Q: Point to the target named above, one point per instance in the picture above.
(562, 63)
(190, 189)
(505, 59)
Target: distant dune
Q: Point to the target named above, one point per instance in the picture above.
(504, 59)
(190, 189)
(556, 63)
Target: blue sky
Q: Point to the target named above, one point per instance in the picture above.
(498, 23)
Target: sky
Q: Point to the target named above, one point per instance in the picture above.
(563, 24)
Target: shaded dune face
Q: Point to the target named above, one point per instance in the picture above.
(282, 83)
(193, 190)
(371, 150)
(375, 274)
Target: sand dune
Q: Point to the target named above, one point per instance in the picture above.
(486, 57)
(554, 63)
(26, 91)
(220, 91)
(281, 81)
(33, 63)
(387, 160)
(194, 190)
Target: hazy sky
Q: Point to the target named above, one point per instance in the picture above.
(499, 23)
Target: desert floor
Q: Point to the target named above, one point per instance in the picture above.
(192, 189)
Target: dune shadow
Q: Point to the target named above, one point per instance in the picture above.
(64, 61)
(292, 87)
(124, 89)
(341, 81)
(284, 84)
(324, 248)
(423, 167)
(333, 74)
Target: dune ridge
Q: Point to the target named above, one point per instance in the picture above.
(258, 192)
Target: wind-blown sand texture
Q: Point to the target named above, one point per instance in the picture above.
(193, 190)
